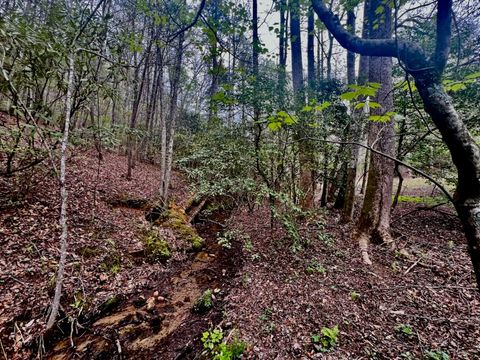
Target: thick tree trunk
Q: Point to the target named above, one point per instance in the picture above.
(427, 71)
(465, 154)
(374, 221)
(296, 49)
(282, 53)
(214, 56)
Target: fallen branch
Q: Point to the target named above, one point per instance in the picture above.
(196, 210)
(413, 265)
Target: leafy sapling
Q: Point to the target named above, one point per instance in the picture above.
(326, 340)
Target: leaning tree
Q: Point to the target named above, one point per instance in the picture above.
(427, 71)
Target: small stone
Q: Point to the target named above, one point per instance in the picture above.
(103, 277)
(161, 299)
(155, 293)
(150, 304)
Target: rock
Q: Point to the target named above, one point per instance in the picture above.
(155, 294)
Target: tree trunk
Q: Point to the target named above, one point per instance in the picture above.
(138, 90)
(174, 88)
(311, 56)
(282, 54)
(64, 196)
(255, 48)
(296, 50)
(355, 127)
(465, 155)
(374, 222)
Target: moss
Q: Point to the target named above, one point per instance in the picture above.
(204, 303)
(88, 252)
(156, 247)
(427, 200)
(175, 219)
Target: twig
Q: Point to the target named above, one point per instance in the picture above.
(413, 265)
(18, 281)
(18, 329)
(213, 221)
(3, 350)
(72, 324)
(119, 347)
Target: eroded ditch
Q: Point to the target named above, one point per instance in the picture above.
(163, 326)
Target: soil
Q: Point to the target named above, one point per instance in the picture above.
(273, 295)
(164, 325)
(426, 284)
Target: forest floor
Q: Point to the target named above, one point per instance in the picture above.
(420, 297)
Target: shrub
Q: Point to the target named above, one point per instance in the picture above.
(216, 349)
(327, 340)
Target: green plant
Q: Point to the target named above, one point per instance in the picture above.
(79, 302)
(354, 295)
(326, 340)
(269, 325)
(315, 267)
(436, 355)
(216, 349)
(404, 329)
(248, 245)
(266, 314)
(156, 248)
(224, 241)
(204, 303)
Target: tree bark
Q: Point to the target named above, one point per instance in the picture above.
(311, 56)
(357, 116)
(427, 72)
(296, 50)
(282, 53)
(374, 221)
(174, 89)
(63, 195)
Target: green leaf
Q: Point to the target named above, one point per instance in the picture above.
(374, 105)
(274, 126)
(473, 76)
(323, 106)
(349, 96)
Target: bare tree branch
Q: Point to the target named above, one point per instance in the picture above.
(418, 171)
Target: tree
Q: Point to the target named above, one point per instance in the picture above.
(296, 50)
(374, 221)
(427, 72)
(355, 127)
